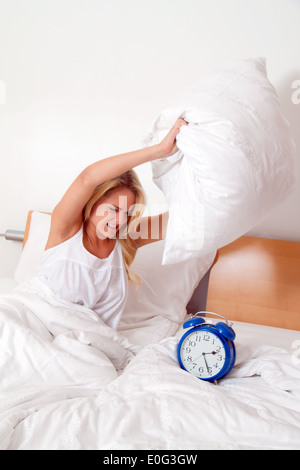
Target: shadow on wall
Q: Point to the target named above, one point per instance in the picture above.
(289, 98)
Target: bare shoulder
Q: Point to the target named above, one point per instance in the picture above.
(66, 218)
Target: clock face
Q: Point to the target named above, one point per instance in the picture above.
(202, 354)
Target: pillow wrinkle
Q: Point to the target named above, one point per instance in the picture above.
(236, 159)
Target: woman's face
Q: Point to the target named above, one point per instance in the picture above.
(111, 213)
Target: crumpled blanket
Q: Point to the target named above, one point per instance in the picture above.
(51, 349)
(274, 365)
(70, 382)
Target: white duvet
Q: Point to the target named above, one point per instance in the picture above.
(70, 382)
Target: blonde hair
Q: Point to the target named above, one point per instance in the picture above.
(126, 180)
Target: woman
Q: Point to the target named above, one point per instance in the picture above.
(93, 238)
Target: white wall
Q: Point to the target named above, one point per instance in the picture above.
(84, 78)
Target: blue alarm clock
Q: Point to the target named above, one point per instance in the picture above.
(207, 350)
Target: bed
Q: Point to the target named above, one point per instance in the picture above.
(69, 382)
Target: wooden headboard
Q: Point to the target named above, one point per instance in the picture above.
(257, 280)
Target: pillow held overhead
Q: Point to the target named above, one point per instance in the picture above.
(236, 159)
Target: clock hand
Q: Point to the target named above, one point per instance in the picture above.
(203, 354)
(196, 359)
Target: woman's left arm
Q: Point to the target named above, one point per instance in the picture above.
(151, 229)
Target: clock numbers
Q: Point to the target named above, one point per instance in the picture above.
(203, 354)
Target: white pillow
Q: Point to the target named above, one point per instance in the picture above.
(236, 160)
(31, 256)
(156, 307)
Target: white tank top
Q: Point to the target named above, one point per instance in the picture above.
(76, 275)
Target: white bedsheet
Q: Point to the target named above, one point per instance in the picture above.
(70, 382)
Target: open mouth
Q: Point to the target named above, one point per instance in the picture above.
(112, 227)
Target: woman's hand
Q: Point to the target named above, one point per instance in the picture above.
(168, 145)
